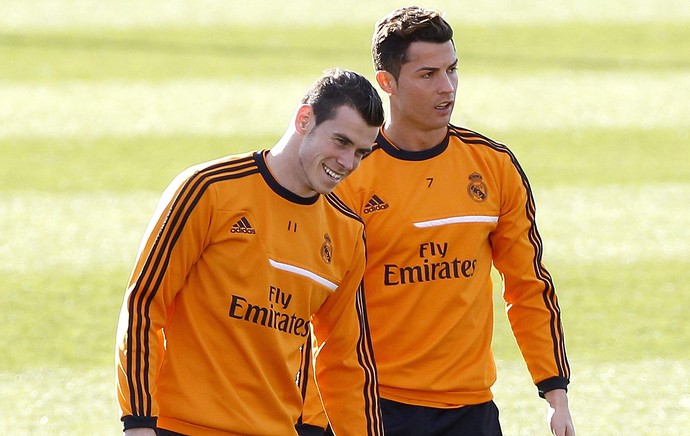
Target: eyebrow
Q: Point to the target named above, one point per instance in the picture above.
(454, 64)
(344, 137)
(350, 142)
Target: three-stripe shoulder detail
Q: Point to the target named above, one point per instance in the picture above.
(343, 208)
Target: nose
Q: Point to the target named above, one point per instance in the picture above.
(448, 83)
(347, 160)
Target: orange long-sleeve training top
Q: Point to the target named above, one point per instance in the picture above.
(436, 222)
(232, 274)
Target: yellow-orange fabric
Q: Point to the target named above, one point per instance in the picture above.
(232, 274)
(436, 221)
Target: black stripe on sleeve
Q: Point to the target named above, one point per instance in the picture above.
(303, 378)
(548, 295)
(365, 354)
(151, 275)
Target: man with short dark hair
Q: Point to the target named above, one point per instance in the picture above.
(442, 205)
(246, 257)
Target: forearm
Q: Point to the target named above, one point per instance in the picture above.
(557, 398)
(136, 371)
(552, 383)
(558, 415)
(140, 431)
(345, 368)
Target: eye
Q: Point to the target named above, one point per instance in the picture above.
(363, 152)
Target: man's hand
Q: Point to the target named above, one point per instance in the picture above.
(558, 415)
(139, 431)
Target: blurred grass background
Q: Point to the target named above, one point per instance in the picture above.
(100, 106)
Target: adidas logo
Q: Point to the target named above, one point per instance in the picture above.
(243, 226)
(374, 204)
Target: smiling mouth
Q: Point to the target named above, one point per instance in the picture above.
(444, 105)
(332, 174)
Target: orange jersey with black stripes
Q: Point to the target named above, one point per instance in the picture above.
(233, 273)
(436, 222)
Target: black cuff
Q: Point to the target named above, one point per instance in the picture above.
(130, 421)
(552, 383)
(309, 430)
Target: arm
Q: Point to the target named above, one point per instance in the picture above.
(171, 244)
(313, 420)
(343, 358)
(531, 301)
(558, 416)
(140, 431)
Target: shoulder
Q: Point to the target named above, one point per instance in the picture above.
(481, 144)
(337, 203)
(460, 134)
(225, 168)
(236, 165)
(494, 153)
(194, 182)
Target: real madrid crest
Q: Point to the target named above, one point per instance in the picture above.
(477, 188)
(327, 249)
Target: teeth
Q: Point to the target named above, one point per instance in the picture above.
(332, 174)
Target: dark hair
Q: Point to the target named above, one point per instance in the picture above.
(394, 33)
(338, 87)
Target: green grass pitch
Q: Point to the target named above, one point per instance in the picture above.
(101, 107)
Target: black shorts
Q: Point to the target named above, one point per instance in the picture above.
(408, 420)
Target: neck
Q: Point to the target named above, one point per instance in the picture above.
(282, 160)
(412, 138)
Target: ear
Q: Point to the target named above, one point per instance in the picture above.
(386, 81)
(304, 115)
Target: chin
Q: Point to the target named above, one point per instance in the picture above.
(323, 190)
(328, 189)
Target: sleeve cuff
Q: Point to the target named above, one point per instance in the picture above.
(552, 383)
(309, 430)
(130, 421)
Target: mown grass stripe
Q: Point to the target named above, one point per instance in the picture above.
(76, 232)
(133, 108)
(614, 223)
(542, 101)
(43, 401)
(569, 100)
(129, 13)
(579, 226)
